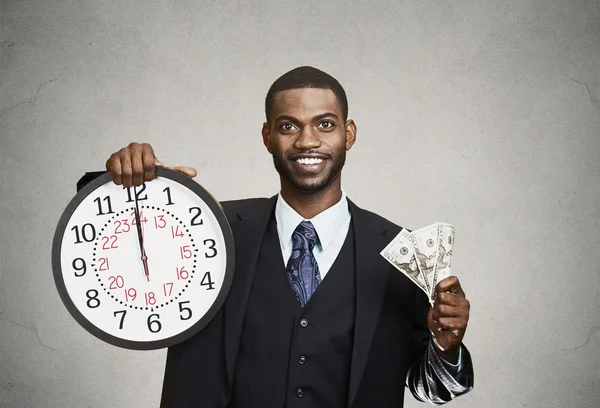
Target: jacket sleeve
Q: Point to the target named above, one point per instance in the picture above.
(195, 372)
(429, 378)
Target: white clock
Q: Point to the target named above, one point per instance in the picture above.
(143, 267)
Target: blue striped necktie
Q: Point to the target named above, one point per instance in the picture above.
(302, 269)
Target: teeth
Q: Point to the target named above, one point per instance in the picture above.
(309, 160)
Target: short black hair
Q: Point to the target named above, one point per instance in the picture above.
(306, 77)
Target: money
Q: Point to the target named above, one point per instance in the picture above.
(426, 245)
(401, 253)
(444, 257)
(424, 255)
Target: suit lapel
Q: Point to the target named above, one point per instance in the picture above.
(370, 286)
(248, 230)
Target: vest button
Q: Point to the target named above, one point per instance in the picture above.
(299, 393)
(302, 359)
(303, 322)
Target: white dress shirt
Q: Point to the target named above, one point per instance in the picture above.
(331, 225)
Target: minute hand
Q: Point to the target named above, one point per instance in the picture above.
(141, 236)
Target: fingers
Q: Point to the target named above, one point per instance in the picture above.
(113, 165)
(450, 284)
(449, 307)
(148, 162)
(452, 323)
(188, 171)
(132, 165)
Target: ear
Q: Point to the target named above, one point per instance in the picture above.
(350, 133)
(266, 135)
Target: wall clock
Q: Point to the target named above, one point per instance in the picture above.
(143, 267)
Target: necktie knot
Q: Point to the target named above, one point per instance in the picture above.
(305, 236)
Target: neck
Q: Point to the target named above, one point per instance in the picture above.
(311, 203)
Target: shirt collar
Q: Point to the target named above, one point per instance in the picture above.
(326, 223)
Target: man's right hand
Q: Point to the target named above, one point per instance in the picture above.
(136, 163)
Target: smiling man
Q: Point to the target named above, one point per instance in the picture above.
(315, 316)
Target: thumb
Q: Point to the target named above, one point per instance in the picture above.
(185, 170)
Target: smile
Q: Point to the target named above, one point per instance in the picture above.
(309, 161)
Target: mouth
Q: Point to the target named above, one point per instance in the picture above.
(309, 162)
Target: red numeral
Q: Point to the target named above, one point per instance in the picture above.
(120, 226)
(185, 252)
(168, 285)
(116, 282)
(113, 242)
(159, 221)
(150, 299)
(130, 294)
(142, 219)
(182, 273)
(175, 232)
(103, 264)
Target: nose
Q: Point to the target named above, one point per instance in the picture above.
(308, 138)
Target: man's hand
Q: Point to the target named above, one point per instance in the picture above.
(448, 318)
(136, 163)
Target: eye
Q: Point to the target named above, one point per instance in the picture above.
(287, 127)
(326, 124)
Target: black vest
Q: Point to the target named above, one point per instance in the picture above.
(294, 357)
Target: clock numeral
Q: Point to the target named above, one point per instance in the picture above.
(138, 194)
(124, 312)
(103, 264)
(82, 268)
(168, 191)
(198, 213)
(130, 294)
(99, 202)
(120, 226)
(185, 252)
(93, 301)
(88, 233)
(168, 291)
(182, 274)
(116, 282)
(159, 221)
(113, 242)
(154, 325)
(211, 247)
(185, 309)
(207, 281)
(150, 299)
(142, 219)
(175, 232)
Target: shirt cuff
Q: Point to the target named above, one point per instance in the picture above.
(454, 369)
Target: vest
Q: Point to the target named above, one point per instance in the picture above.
(294, 357)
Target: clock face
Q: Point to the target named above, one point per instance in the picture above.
(143, 267)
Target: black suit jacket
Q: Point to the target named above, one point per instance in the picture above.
(390, 326)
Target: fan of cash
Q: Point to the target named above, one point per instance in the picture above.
(424, 255)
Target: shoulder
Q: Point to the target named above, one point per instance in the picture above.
(374, 220)
(233, 208)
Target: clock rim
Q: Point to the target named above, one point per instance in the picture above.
(212, 311)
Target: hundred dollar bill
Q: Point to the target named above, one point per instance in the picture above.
(444, 257)
(401, 253)
(426, 241)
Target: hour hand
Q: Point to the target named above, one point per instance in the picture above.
(141, 236)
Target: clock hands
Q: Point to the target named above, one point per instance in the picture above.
(141, 236)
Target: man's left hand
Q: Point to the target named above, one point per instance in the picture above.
(448, 318)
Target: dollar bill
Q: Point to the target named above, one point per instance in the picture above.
(444, 257)
(426, 242)
(401, 254)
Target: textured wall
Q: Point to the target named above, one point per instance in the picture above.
(485, 114)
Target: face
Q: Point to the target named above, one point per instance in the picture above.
(308, 138)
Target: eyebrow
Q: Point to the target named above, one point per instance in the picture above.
(296, 121)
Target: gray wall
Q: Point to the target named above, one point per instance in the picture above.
(481, 113)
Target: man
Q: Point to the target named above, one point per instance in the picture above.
(315, 317)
